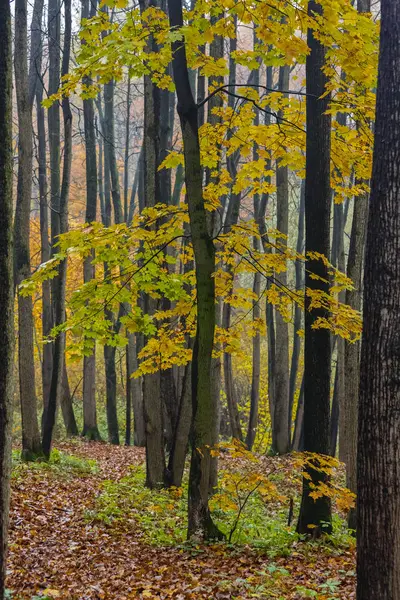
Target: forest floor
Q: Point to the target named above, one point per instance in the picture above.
(67, 542)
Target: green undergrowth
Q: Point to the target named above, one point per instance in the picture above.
(161, 516)
(59, 462)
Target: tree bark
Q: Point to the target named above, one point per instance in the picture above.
(378, 476)
(299, 278)
(317, 351)
(59, 282)
(282, 419)
(31, 444)
(6, 278)
(204, 404)
(152, 401)
(90, 427)
(352, 351)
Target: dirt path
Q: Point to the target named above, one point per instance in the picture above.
(54, 547)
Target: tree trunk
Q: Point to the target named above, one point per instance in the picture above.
(67, 408)
(90, 428)
(59, 282)
(204, 404)
(378, 476)
(352, 351)
(31, 444)
(299, 278)
(6, 278)
(338, 420)
(152, 401)
(317, 351)
(281, 436)
(177, 457)
(111, 393)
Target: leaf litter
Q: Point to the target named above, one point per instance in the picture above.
(56, 552)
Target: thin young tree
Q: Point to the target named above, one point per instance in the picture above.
(6, 278)
(378, 476)
(317, 350)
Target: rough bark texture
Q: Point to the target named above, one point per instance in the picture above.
(378, 522)
(31, 444)
(204, 403)
(6, 278)
(317, 351)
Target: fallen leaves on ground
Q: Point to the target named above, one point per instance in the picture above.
(55, 550)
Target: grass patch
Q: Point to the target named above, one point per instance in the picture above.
(59, 462)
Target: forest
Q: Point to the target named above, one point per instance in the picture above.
(200, 299)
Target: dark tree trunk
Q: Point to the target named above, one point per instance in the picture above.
(45, 251)
(67, 408)
(111, 393)
(6, 278)
(204, 404)
(177, 457)
(90, 428)
(31, 444)
(317, 351)
(111, 193)
(152, 401)
(282, 420)
(59, 282)
(378, 475)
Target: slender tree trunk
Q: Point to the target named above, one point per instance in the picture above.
(153, 408)
(177, 457)
(352, 351)
(338, 422)
(67, 408)
(204, 404)
(281, 436)
(317, 351)
(378, 476)
(111, 192)
(31, 444)
(299, 278)
(59, 282)
(6, 278)
(45, 251)
(90, 428)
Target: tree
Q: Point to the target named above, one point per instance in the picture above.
(153, 409)
(378, 475)
(352, 351)
(6, 277)
(282, 419)
(90, 428)
(317, 352)
(59, 282)
(31, 443)
(204, 404)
